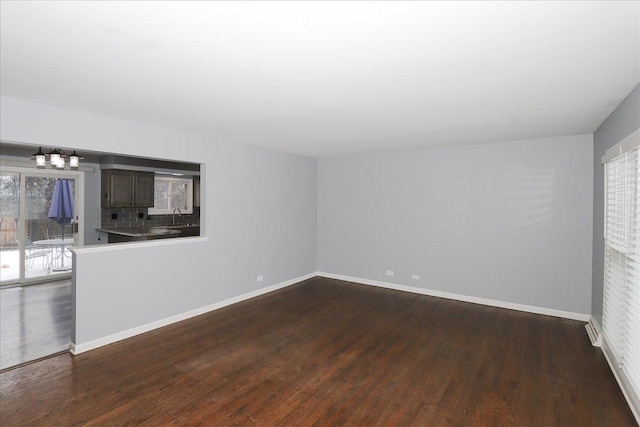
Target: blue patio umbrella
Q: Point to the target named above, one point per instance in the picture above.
(61, 210)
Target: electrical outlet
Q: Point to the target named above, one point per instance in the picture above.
(390, 273)
(259, 278)
(415, 276)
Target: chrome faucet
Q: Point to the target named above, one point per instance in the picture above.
(174, 214)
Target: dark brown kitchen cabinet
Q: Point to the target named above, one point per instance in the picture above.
(127, 189)
(196, 191)
(143, 185)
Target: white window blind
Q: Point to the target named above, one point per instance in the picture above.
(621, 317)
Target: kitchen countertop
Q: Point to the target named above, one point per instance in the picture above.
(134, 231)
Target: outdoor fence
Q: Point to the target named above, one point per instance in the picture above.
(8, 232)
(37, 229)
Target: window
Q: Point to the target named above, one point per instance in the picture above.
(172, 193)
(621, 317)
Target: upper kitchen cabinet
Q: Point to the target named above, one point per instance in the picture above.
(143, 185)
(127, 188)
(196, 191)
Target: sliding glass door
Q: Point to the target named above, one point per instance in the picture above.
(38, 224)
(9, 227)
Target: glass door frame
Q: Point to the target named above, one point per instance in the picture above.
(78, 237)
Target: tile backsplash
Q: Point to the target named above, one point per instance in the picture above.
(129, 217)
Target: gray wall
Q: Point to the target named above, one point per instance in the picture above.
(92, 218)
(621, 123)
(259, 210)
(506, 221)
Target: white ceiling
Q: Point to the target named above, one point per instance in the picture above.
(329, 78)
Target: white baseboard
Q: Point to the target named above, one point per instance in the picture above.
(90, 345)
(594, 332)
(460, 297)
(627, 391)
(110, 339)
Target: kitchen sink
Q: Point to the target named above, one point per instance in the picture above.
(161, 233)
(183, 230)
(163, 230)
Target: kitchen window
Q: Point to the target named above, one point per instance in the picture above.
(172, 193)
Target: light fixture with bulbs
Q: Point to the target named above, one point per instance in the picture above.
(54, 156)
(41, 158)
(57, 158)
(74, 159)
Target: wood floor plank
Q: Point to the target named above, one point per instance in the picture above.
(326, 352)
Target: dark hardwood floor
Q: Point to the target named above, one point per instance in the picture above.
(330, 353)
(35, 321)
